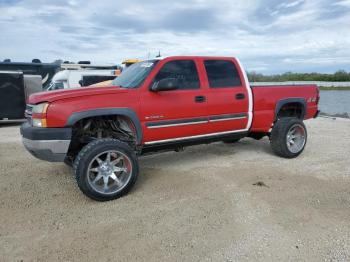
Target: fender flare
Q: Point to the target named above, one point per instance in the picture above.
(283, 102)
(75, 117)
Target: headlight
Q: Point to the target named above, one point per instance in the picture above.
(39, 115)
(40, 108)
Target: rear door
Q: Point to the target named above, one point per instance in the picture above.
(174, 115)
(228, 96)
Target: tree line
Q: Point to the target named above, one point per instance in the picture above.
(339, 76)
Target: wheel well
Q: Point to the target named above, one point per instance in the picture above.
(291, 109)
(110, 126)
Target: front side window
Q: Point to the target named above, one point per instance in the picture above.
(134, 75)
(222, 73)
(184, 71)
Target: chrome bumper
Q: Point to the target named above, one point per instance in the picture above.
(48, 150)
(49, 144)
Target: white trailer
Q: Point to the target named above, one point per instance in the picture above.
(72, 78)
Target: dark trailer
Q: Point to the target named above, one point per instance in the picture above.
(15, 88)
(45, 70)
(12, 96)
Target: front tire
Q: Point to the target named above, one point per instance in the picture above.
(106, 169)
(288, 137)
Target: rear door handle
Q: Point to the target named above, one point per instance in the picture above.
(199, 99)
(240, 96)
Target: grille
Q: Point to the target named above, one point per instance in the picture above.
(28, 112)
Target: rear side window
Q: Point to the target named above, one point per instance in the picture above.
(183, 70)
(222, 73)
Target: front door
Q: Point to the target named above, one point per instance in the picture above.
(174, 115)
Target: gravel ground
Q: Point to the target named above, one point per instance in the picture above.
(197, 205)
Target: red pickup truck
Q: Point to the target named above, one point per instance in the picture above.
(156, 105)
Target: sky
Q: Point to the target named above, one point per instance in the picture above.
(271, 36)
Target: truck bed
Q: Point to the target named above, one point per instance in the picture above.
(266, 100)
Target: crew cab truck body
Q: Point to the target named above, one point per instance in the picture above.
(161, 104)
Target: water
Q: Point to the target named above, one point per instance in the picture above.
(335, 102)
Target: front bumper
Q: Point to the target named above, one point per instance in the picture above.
(49, 144)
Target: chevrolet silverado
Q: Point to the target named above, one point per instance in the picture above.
(156, 105)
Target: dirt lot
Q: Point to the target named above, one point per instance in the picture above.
(197, 205)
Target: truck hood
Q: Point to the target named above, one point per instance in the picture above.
(50, 96)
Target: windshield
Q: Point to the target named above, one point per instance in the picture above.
(134, 75)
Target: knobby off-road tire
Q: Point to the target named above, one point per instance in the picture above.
(106, 169)
(288, 137)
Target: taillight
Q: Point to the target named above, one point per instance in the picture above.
(317, 95)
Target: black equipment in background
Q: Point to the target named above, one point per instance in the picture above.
(94, 79)
(45, 70)
(12, 96)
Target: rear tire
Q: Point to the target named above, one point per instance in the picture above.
(106, 169)
(288, 137)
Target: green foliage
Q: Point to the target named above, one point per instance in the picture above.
(333, 88)
(339, 76)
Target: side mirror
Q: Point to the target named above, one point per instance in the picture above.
(165, 84)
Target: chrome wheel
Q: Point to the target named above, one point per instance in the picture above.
(109, 172)
(296, 138)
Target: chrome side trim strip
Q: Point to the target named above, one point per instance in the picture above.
(195, 121)
(180, 124)
(191, 137)
(227, 119)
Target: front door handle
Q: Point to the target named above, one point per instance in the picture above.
(199, 99)
(240, 96)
